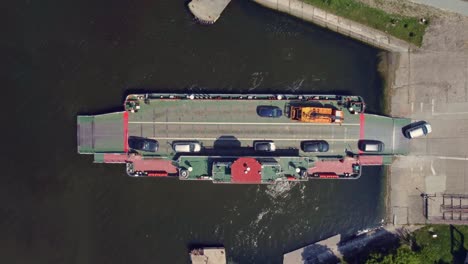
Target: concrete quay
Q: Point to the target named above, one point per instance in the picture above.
(325, 251)
(334, 250)
(214, 255)
(432, 84)
(338, 24)
(207, 11)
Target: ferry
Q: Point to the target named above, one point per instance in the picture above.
(242, 138)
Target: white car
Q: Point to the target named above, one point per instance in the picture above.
(264, 146)
(186, 146)
(417, 129)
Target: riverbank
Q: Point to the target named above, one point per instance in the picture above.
(428, 244)
(409, 28)
(338, 24)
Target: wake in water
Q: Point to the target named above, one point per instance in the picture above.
(295, 86)
(279, 189)
(257, 80)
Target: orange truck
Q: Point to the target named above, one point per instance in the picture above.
(316, 114)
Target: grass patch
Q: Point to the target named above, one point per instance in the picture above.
(449, 246)
(405, 28)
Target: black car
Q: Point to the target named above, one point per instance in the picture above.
(314, 146)
(144, 144)
(269, 111)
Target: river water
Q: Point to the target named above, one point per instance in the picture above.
(65, 58)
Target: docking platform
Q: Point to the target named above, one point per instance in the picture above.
(228, 125)
(207, 11)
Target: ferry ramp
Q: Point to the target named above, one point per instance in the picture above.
(388, 130)
(102, 133)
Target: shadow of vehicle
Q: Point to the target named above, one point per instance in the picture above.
(226, 142)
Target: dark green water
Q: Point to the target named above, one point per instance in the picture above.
(62, 58)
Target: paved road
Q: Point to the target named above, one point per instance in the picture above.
(457, 6)
(432, 85)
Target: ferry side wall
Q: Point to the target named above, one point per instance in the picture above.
(338, 24)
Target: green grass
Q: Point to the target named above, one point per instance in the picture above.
(450, 246)
(405, 28)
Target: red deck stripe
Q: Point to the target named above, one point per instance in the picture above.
(362, 122)
(125, 127)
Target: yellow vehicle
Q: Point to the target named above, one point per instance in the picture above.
(316, 114)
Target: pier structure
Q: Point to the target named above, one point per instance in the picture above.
(334, 249)
(324, 251)
(207, 11)
(208, 255)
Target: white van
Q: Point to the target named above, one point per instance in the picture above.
(371, 145)
(186, 146)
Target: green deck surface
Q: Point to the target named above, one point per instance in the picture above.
(222, 123)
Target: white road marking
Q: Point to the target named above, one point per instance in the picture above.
(235, 123)
(432, 104)
(412, 106)
(235, 139)
(332, 137)
(421, 106)
(452, 158)
(432, 167)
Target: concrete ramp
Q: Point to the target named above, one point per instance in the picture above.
(207, 11)
(325, 251)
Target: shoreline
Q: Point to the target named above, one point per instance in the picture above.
(338, 24)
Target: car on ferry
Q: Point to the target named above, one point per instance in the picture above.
(186, 146)
(269, 111)
(314, 146)
(143, 144)
(264, 146)
(418, 129)
(367, 145)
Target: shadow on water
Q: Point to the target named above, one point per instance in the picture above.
(357, 250)
(318, 254)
